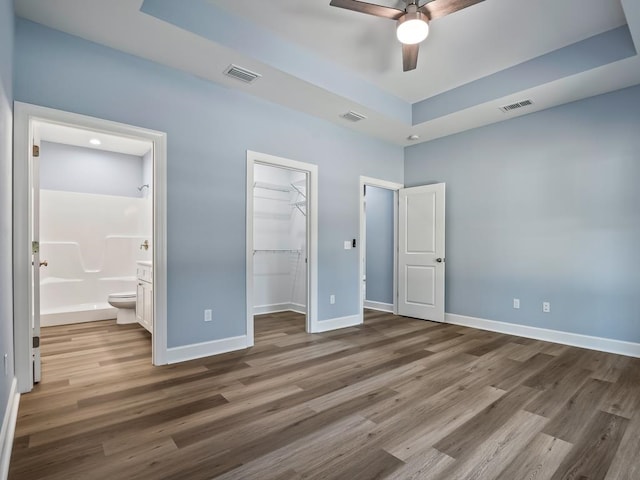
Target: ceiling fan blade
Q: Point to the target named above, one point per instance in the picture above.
(370, 8)
(409, 57)
(440, 8)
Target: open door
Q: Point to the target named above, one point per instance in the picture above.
(35, 259)
(421, 252)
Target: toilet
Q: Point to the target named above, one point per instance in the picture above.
(126, 305)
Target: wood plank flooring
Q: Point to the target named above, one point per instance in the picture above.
(396, 398)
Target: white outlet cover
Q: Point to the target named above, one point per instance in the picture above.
(207, 315)
(332, 299)
(347, 245)
(546, 307)
(516, 303)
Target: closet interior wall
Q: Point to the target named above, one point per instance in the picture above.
(280, 238)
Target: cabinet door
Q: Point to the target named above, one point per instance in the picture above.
(140, 303)
(148, 307)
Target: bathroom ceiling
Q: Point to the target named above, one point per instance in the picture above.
(326, 61)
(51, 132)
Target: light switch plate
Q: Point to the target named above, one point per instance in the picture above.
(347, 245)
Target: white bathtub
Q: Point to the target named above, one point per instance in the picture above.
(69, 293)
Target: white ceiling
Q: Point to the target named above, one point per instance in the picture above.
(463, 47)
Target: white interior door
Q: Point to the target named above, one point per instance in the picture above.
(36, 262)
(421, 252)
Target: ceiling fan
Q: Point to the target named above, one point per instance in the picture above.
(412, 22)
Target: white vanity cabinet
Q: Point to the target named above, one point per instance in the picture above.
(144, 295)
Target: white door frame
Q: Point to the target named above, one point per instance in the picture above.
(254, 158)
(24, 117)
(393, 186)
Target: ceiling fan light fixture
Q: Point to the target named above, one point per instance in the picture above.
(413, 27)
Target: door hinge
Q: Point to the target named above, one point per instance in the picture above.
(36, 342)
(36, 151)
(35, 247)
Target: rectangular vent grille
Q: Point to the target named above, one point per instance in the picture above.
(517, 105)
(353, 116)
(241, 74)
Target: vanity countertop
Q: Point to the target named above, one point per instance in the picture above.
(144, 262)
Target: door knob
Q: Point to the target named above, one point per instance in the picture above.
(44, 264)
(439, 260)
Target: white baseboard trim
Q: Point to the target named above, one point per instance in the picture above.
(619, 347)
(279, 307)
(382, 307)
(205, 349)
(298, 308)
(8, 429)
(336, 323)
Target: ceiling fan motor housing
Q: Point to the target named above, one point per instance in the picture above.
(413, 26)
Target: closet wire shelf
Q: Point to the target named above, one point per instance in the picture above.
(277, 250)
(300, 205)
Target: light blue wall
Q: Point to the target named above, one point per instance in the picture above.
(6, 145)
(544, 207)
(379, 235)
(69, 168)
(209, 130)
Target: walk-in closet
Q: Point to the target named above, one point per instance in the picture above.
(280, 240)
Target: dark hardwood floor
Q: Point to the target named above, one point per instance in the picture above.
(394, 399)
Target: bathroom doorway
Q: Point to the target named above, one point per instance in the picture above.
(95, 229)
(281, 241)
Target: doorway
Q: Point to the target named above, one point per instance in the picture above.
(31, 122)
(93, 224)
(378, 242)
(418, 252)
(281, 239)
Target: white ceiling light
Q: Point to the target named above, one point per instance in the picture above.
(95, 141)
(413, 27)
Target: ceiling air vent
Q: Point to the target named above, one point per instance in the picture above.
(353, 116)
(517, 105)
(242, 74)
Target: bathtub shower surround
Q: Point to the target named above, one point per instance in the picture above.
(91, 243)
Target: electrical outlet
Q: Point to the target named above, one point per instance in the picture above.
(546, 307)
(347, 245)
(208, 315)
(332, 299)
(516, 303)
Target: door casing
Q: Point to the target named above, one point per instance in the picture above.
(24, 117)
(395, 187)
(312, 236)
